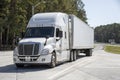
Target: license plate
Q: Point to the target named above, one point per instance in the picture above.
(27, 58)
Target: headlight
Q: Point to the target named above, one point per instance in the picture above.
(15, 52)
(45, 52)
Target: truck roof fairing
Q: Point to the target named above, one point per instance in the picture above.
(48, 19)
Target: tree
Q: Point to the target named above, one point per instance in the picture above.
(108, 32)
(4, 11)
(17, 19)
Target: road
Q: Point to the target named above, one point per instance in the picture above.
(100, 66)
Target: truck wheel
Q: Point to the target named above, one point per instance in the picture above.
(74, 55)
(89, 52)
(77, 54)
(71, 56)
(19, 65)
(53, 60)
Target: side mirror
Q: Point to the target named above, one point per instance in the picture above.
(46, 39)
(60, 34)
(22, 34)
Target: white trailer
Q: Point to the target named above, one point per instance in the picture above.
(82, 36)
(51, 38)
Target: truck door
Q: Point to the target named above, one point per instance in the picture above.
(59, 44)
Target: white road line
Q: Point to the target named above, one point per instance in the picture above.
(67, 69)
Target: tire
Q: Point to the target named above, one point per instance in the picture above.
(74, 55)
(53, 60)
(71, 56)
(77, 54)
(89, 52)
(19, 65)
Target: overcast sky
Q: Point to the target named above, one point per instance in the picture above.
(101, 12)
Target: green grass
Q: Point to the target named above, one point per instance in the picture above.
(112, 49)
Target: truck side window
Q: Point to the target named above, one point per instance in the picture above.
(57, 32)
(65, 35)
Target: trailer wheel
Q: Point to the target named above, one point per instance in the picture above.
(89, 52)
(77, 54)
(74, 55)
(19, 65)
(71, 56)
(53, 60)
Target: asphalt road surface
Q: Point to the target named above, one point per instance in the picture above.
(100, 66)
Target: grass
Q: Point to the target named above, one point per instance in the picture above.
(112, 49)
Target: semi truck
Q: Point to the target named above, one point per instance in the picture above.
(51, 38)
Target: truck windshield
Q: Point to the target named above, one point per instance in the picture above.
(39, 32)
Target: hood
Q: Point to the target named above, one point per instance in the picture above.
(37, 40)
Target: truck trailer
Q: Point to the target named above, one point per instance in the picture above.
(51, 38)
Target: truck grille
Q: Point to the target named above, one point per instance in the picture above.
(28, 49)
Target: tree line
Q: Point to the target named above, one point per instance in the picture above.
(108, 33)
(15, 14)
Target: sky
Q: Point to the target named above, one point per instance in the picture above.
(102, 12)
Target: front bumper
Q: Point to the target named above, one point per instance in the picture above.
(42, 59)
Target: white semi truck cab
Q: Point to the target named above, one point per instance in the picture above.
(51, 38)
